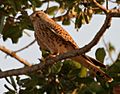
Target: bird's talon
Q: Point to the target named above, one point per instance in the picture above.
(50, 56)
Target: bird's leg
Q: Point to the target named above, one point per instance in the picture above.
(51, 55)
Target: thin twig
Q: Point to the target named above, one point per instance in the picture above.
(27, 33)
(25, 46)
(48, 3)
(14, 55)
(100, 6)
(61, 56)
(107, 4)
(108, 51)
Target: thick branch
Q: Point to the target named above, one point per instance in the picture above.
(62, 56)
(14, 55)
(114, 12)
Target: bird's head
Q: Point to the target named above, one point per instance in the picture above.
(38, 15)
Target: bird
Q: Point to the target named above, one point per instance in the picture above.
(53, 37)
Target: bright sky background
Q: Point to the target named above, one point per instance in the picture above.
(83, 37)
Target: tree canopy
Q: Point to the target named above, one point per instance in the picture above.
(62, 77)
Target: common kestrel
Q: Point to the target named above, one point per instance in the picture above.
(51, 36)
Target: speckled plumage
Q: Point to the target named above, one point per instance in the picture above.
(51, 36)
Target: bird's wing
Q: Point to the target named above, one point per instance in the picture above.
(61, 32)
(55, 28)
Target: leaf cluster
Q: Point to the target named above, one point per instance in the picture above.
(67, 77)
(14, 16)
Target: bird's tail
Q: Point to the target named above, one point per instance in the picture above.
(91, 63)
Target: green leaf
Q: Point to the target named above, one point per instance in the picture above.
(13, 82)
(45, 53)
(66, 21)
(51, 10)
(13, 32)
(73, 64)
(87, 80)
(78, 21)
(111, 47)
(89, 12)
(82, 17)
(56, 68)
(70, 67)
(100, 54)
(2, 23)
(13, 5)
(115, 67)
(73, 73)
(10, 90)
(28, 83)
(18, 80)
(86, 18)
(95, 87)
(36, 3)
(83, 72)
(7, 80)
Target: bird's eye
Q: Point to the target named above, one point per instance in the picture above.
(37, 15)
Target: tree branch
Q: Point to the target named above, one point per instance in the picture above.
(72, 15)
(14, 55)
(114, 12)
(61, 56)
(25, 46)
(100, 6)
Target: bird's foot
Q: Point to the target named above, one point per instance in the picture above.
(50, 56)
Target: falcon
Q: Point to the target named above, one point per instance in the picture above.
(51, 36)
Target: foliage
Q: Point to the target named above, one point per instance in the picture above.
(65, 77)
(14, 16)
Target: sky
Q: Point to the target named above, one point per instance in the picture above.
(82, 37)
